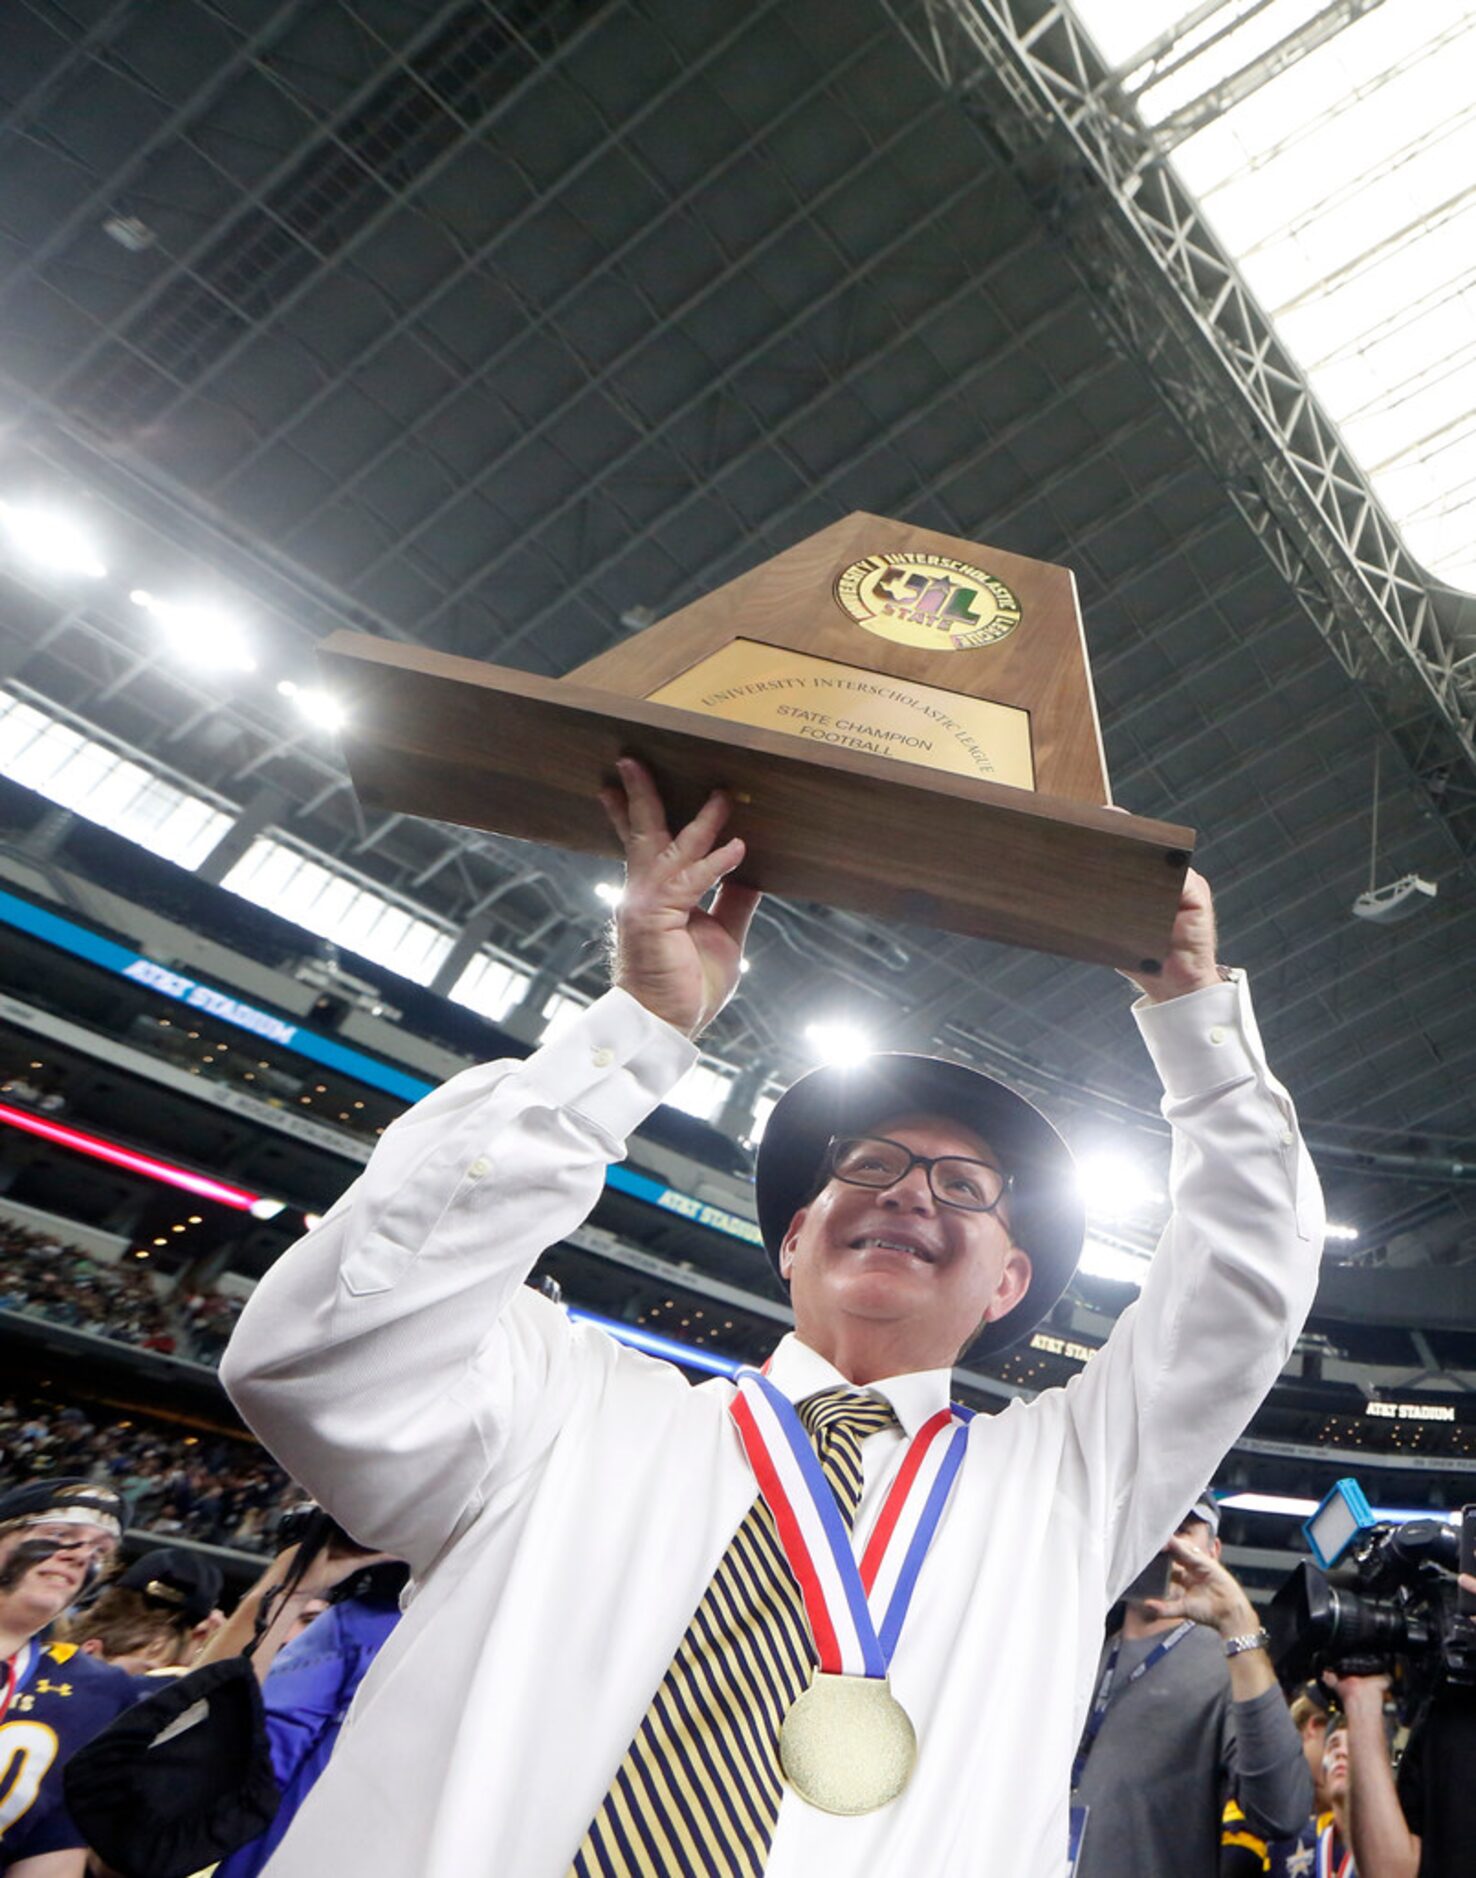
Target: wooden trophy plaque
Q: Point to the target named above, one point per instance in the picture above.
(904, 721)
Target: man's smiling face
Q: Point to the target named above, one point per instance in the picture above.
(44, 1565)
(896, 1267)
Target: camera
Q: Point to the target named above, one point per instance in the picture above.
(1379, 1593)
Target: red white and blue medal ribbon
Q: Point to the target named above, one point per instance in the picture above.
(1325, 1866)
(18, 1673)
(843, 1598)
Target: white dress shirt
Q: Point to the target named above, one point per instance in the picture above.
(563, 1500)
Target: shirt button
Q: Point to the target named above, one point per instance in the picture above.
(1287, 1137)
(603, 1058)
(478, 1167)
(1217, 1035)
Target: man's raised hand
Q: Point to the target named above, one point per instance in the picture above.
(679, 960)
(1190, 963)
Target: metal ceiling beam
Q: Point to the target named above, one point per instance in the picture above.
(1180, 125)
(1027, 74)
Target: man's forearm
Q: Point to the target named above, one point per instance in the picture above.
(1383, 1845)
(1271, 1779)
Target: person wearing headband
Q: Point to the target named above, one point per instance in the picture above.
(56, 1538)
(788, 1622)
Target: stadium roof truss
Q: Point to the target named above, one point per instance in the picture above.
(1032, 79)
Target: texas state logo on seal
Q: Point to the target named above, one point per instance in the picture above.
(928, 600)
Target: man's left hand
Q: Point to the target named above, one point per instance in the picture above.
(1191, 963)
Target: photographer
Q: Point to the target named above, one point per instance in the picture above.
(1423, 1826)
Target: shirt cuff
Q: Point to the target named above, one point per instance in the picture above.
(1203, 1041)
(612, 1065)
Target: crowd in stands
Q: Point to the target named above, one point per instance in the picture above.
(46, 1278)
(208, 1318)
(216, 1489)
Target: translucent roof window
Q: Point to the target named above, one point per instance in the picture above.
(272, 875)
(1335, 158)
(85, 776)
(701, 1092)
(491, 986)
(762, 1110)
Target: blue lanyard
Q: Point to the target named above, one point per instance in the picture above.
(1103, 1699)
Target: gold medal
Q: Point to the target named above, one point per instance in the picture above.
(847, 1745)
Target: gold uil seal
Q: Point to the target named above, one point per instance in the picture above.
(928, 600)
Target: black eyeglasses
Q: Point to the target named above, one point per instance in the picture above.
(874, 1161)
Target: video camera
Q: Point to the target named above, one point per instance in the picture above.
(1380, 1592)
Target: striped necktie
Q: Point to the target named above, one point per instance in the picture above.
(698, 1792)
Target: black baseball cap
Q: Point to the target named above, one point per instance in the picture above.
(1047, 1217)
(186, 1581)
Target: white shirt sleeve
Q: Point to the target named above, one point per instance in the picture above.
(1228, 1290)
(393, 1360)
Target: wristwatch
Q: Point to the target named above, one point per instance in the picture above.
(1254, 1640)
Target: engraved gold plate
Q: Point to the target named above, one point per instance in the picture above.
(847, 1746)
(843, 707)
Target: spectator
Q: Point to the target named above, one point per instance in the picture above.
(155, 1617)
(1334, 1845)
(55, 1536)
(1187, 1711)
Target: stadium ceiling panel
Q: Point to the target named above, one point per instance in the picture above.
(505, 328)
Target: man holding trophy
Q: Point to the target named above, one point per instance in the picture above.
(817, 1620)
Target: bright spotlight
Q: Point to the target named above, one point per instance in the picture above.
(1335, 1231)
(610, 891)
(200, 634)
(318, 707)
(264, 1208)
(1114, 1186)
(50, 541)
(841, 1044)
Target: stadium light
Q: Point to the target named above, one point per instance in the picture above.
(50, 541)
(841, 1044)
(201, 634)
(610, 891)
(132, 1161)
(318, 707)
(1336, 1231)
(1292, 1506)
